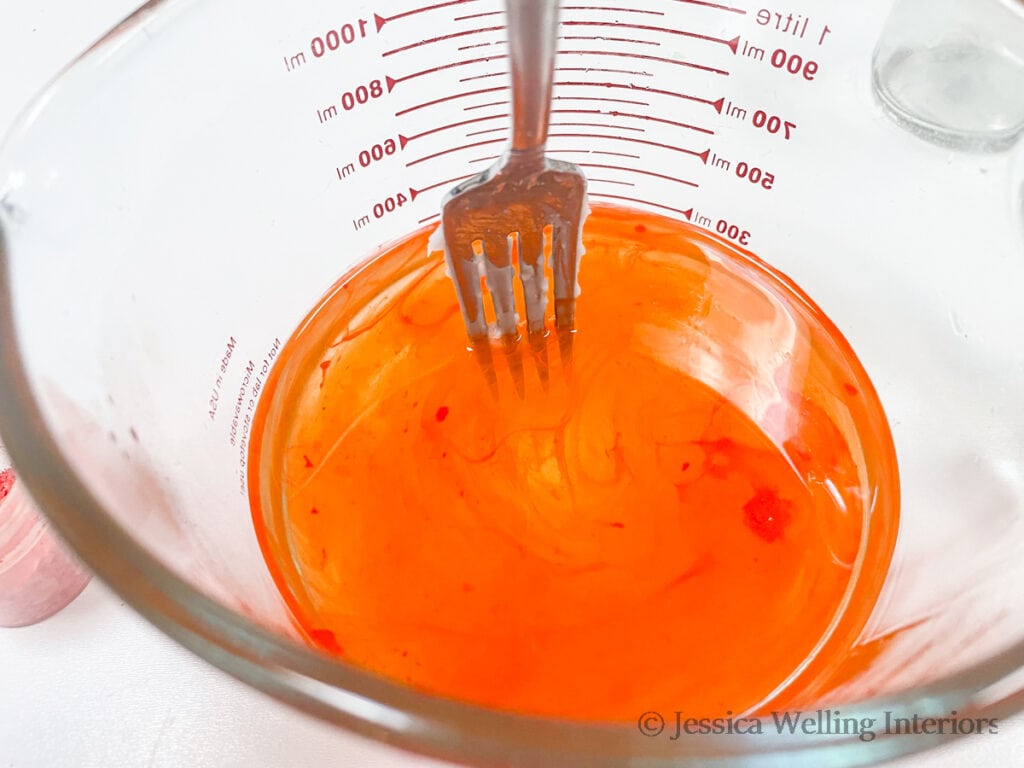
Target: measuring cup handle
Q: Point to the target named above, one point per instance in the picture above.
(532, 29)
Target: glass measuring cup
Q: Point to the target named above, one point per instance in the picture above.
(205, 248)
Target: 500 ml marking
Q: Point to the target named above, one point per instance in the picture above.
(384, 207)
(361, 94)
(723, 227)
(330, 41)
(373, 154)
(744, 170)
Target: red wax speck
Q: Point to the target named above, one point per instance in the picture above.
(686, 466)
(305, 458)
(323, 372)
(442, 413)
(326, 640)
(6, 483)
(640, 228)
(767, 515)
(314, 511)
(618, 525)
(850, 389)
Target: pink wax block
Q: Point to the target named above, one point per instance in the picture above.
(38, 577)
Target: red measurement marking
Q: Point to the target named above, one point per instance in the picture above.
(431, 217)
(488, 104)
(382, 20)
(716, 104)
(645, 173)
(611, 181)
(406, 139)
(644, 57)
(454, 96)
(489, 130)
(393, 81)
(633, 72)
(482, 77)
(605, 8)
(606, 126)
(439, 39)
(444, 183)
(600, 98)
(687, 213)
(701, 155)
(478, 15)
(730, 44)
(608, 39)
(599, 152)
(481, 45)
(728, 8)
(485, 159)
(687, 126)
(411, 163)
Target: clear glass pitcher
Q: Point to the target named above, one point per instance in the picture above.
(172, 206)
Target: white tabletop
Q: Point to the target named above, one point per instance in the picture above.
(98, 686)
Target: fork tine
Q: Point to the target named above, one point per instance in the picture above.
(565, 266)
(466, 272)
(533, 279)
(539, 346)
(499, 270)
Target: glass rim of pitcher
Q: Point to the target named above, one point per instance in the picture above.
(386, 711)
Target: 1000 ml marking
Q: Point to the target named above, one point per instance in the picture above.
(332, 40)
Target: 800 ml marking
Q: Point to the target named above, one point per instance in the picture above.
(361, 94)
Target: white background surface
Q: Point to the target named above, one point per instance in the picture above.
(98, 686)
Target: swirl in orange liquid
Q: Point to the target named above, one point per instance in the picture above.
(696, 516)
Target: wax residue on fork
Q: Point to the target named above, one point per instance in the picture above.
(627, 539)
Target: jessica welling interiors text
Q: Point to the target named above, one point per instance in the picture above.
(820, 722)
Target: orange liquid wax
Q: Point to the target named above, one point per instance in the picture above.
(696, 515)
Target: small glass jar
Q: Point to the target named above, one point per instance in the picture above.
(38, 577)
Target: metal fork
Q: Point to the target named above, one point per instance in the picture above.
(512, 202)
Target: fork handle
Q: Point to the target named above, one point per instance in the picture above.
(532, 29)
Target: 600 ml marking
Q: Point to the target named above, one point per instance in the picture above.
(371, 155)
